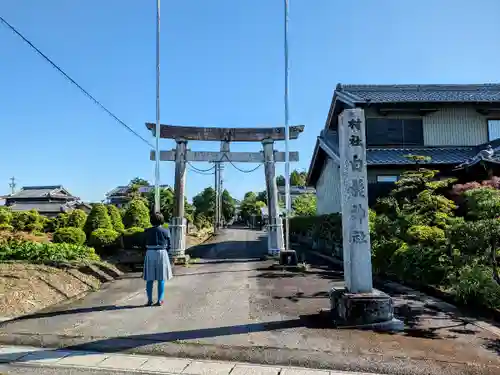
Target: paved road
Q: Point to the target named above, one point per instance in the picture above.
(232, 306)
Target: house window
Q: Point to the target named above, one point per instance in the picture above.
(493, 129)
(387, 178)
(394, 132)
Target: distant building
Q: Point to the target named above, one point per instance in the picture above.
(295, 191)
(47, 200)
(119, 196)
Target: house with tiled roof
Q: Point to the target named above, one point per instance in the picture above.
(49, 201)
(120, 195)
(451, 124)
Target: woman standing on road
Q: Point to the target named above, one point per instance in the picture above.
(157, 262)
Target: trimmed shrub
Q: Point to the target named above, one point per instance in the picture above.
(70, 235)
(426, 235)
(116, 218)
(36, 252)
(19, 220)
(133, 238)
(323, 231)
(137, 215)
(104, 240)
(76, 219)
(6, 227)
(98, 219)
(5, 215)
(475, 285)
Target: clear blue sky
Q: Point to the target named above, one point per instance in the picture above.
(222, 65)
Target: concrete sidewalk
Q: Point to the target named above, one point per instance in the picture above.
(28, 356)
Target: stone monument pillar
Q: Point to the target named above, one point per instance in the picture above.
(275, 226)
(178, 224)
(358, 303)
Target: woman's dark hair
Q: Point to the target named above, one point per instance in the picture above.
(157, 219)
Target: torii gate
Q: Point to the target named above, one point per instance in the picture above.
(181, 155)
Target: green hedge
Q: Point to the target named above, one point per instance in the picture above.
(133, 238)
(41, 252)
(104, 240)
(327, 228)
(70, 235)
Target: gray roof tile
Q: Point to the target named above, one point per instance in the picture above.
(439, 155)
(41, 207)
(422, 93)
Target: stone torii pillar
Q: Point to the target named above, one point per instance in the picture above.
(358, 304)
(178, 224)
(275, 235)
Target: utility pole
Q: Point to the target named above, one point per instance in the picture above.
(221, 190)
(157, 127)
(216, 182)
(12, 185)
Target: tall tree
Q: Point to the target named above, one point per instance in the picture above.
(166, 202)
(305, 205)
(251, 206)
(204, 202)
(262, 196)
(296, 179)
(228, 206)
(138, 181)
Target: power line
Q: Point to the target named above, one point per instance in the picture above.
(74, 82)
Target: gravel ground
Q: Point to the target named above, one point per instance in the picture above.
(233, 306)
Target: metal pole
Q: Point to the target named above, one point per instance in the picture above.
(157, 132)
(287, 138)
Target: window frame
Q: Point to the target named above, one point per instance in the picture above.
(385, 176)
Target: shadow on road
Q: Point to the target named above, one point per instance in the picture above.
(49, 314)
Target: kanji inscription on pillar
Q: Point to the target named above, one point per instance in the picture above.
(354, 188)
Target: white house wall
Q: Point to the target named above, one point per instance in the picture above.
(328, 189)
(448, 126)
(455, 127)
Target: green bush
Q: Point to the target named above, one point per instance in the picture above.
(202, 222)
(70, 235)
(55, 223)
(475, 285)
(322, 227)
(76, 219)
(98, 219)
(5, 215)
(6, 227)
(19, 220)
(482, 203)
(426, 235)
(133, 238)
(137, 215)
(104, 239)
(116, 218)
(36, 252)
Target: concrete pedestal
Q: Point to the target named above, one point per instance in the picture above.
(275, 237)
(372, 310)
(288, 258)
(177, 237)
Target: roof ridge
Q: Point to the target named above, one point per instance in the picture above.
(419, 87)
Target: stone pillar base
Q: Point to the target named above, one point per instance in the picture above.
(363, 310)
(288, 258)
(275, 237)
(178, 237)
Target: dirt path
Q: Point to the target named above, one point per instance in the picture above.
(232, 306)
